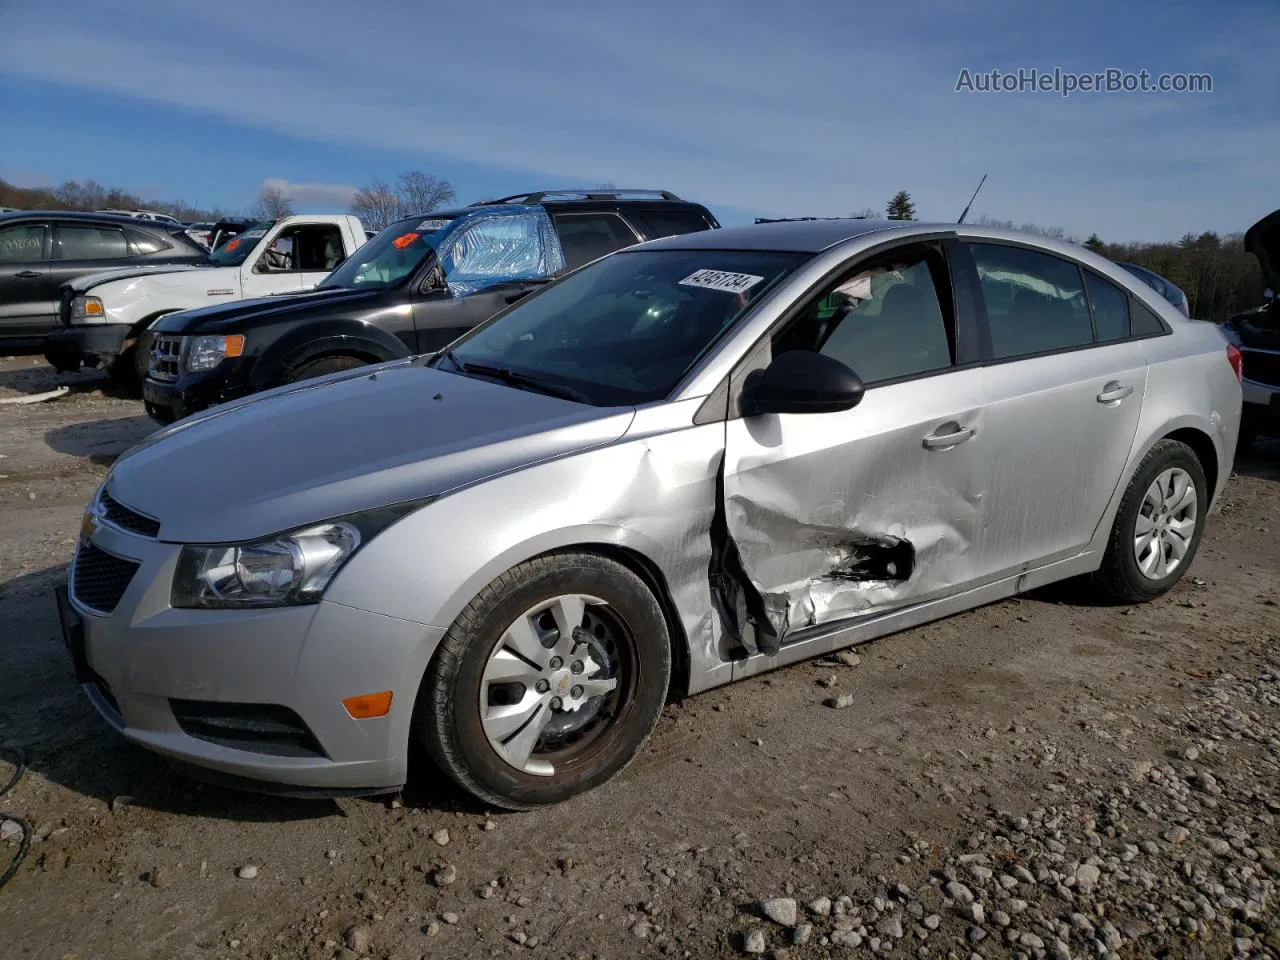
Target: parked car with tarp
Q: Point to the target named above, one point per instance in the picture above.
(422, 282)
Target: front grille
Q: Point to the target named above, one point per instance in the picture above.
(113, 511)
(257, 727)
(1261, 367)
(166, 359)
(99, 579)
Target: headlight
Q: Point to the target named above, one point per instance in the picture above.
(205, 353)
(84, 307)
(284, 570)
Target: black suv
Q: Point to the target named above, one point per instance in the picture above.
(40, 250)
(418, 285)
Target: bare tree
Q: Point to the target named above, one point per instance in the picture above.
(273, 203)
(422, 192)
(376, 204)
(866, 213)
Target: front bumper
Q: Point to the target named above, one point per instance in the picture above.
(167, 401)
(98, 344)
(144, 664)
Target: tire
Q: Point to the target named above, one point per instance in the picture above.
(623, 626)
(323, 366)
(1121, 576)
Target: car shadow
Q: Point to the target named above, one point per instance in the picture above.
(46, 715)
(40, 378)
(100, 441)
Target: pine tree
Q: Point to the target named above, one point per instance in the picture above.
(1094, 243)
(901, 207)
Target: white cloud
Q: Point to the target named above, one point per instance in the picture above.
(314, 197)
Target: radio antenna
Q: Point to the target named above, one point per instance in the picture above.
(971, 199)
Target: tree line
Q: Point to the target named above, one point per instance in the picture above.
(91, 195)
(1219, 278)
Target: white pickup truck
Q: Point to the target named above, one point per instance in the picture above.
(104, 317)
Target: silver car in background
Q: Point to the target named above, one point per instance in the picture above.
(686, 463)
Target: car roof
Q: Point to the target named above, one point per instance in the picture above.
(798, 236)
(120, 218)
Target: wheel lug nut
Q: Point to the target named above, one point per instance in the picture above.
(542, 686)
(556, 663)
(577, 666)
(556, 703)
(576, 693)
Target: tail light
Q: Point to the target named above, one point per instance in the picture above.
(1236, 359)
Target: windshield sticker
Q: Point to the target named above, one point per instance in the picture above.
(221, 292)
(231, 245)
(431, 226)
(721, 280)
(404, 240)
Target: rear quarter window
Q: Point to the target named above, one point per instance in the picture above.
(655, 224)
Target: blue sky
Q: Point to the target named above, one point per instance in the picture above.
(755, 108)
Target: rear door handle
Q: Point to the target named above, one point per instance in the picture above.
(1114, 392)
(27, 275)
(954, 435)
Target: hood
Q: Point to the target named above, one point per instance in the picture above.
(239, 314)
(327, 448)
(90, 280)
(1263, 241)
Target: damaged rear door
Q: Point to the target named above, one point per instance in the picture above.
(828, 516)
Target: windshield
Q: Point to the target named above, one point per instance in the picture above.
(388, 258)
(627, 329)
(236, 250)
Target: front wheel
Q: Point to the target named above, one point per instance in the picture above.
(1158, 527)
(548, 683)
(323, 367)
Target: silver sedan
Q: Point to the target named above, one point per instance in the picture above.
(686, 463)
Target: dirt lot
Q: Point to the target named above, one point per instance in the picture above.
(1042, 777)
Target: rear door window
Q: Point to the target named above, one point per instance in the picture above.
(668, 223)
(87, 242)
(141, 243)
(23, 243)
(1035, 301)
(589, 236)
(1110, 308)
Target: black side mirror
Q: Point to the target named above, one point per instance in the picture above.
(801, 381)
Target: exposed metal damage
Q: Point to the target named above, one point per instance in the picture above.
(856, 564)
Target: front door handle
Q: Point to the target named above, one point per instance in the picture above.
(947, 436)
(27, 275)
(1114, 392)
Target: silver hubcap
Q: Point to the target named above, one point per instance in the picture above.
(545, 680)
(1166, 523)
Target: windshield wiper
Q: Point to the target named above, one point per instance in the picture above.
(510, 377)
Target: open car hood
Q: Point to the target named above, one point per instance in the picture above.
(1263, 241)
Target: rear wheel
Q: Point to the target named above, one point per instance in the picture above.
(323, 366)
(1158, 527)
(548, 683)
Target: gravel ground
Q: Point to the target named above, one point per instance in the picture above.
(1043, 777)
